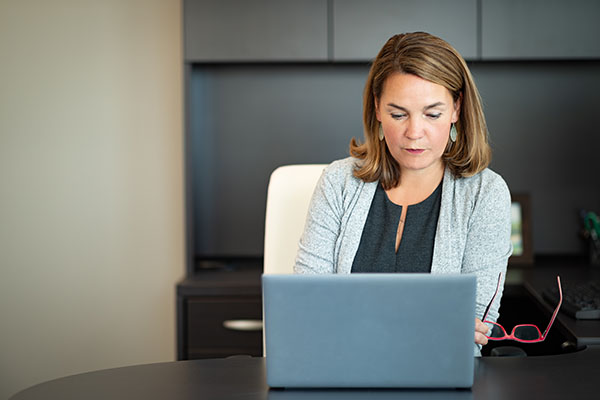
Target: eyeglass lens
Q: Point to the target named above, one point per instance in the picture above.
(523, 332)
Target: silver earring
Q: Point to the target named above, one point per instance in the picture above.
(381, 133)
(453, 133)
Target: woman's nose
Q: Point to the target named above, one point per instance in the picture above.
(414, 129)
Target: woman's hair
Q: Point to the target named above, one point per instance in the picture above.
(434, 60)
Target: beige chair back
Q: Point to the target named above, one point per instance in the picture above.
(288, 197)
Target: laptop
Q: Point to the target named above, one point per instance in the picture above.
(369, 330)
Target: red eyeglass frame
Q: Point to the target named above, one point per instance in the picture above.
(512, 336)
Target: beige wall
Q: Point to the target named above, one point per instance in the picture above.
(91, 185)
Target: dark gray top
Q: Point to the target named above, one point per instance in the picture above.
(377, 249)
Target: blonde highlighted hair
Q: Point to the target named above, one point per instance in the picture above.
(434, 60)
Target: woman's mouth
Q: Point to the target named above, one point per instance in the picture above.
(415, 151)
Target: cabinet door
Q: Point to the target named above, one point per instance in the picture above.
(221, 326)
(540, 29)
(360, 28)
(257, 30)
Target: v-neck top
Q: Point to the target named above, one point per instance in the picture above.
(377, 249)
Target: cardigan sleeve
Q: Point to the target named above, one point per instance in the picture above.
(488, 245)
(316, 249)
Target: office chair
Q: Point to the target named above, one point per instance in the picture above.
(288, 197)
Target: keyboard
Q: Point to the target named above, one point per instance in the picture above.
(581, 299)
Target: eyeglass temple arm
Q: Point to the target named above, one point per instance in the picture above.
(556, 309)
(487, 309)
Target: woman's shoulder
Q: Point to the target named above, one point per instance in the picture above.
(343, 166)
(485, 187)
(486, 180)
(338, 178)
(342, 171)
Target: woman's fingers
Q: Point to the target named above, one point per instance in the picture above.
(481, 330)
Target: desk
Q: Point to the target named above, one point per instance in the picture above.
(536, 279)
(569, 376)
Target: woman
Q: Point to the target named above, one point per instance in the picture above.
(417, 195)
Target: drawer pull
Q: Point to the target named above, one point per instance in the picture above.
(243, 324)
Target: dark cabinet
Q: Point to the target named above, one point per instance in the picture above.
(354, 30)
(245, 111)
(219, 314)
(540, 29)
(257, 30)
(360, 28)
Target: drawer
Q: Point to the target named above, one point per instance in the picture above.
(219, 326)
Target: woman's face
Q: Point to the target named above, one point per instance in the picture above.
(415, 115)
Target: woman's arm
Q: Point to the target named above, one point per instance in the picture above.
(316, 250)
(488, 243)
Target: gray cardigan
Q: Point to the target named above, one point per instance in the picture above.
(473, 230)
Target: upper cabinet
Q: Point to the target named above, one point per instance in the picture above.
(360, 28)
(355, 30)
(254, 31)
(540, 29)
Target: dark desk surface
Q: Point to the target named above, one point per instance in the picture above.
(537, 278)
(569, 376)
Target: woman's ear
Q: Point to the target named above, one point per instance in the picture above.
(457, 107)
(377, 112)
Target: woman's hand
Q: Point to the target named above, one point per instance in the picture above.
(481, 330)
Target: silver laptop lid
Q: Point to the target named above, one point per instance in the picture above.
(369, 330)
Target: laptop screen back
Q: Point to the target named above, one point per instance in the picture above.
(369, 330)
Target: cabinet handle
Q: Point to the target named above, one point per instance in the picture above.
(243, 324)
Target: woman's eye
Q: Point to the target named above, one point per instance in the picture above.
(398, 116)
(434, 116)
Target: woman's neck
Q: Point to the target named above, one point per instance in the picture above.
(416, 186)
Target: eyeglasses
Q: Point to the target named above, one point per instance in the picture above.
(525, 333)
